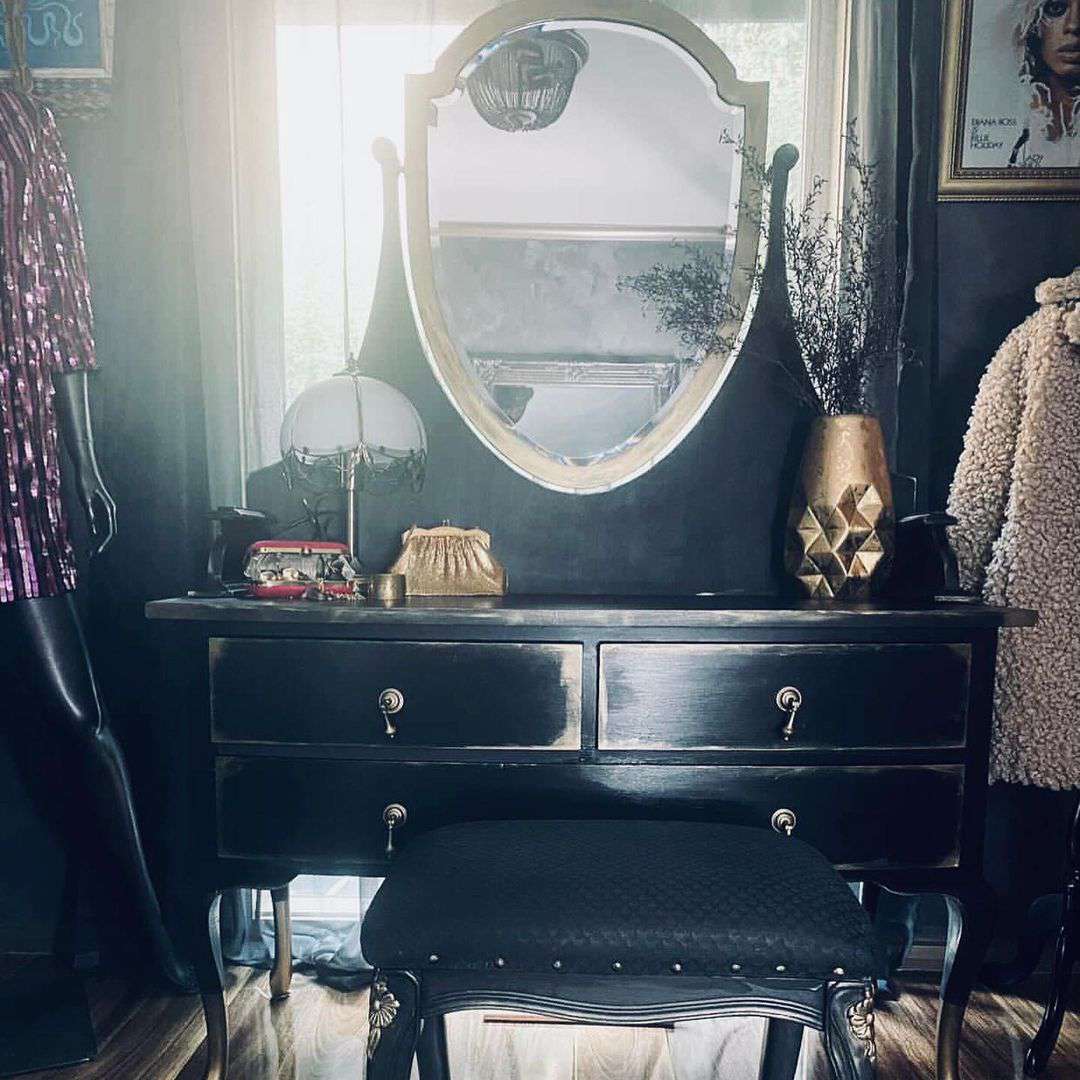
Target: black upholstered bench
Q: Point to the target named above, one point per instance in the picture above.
(618, 922)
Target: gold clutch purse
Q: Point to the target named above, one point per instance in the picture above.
(448, 561)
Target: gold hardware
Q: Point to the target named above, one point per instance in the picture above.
(394, 816)
(789, 700)
(784, 821)
(381, 1013)
(860, 1018)
(391, 701)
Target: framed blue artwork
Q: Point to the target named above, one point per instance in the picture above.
(69, 46)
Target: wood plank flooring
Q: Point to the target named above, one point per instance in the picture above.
(318, 1034)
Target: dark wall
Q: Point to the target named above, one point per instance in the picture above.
(990, 258)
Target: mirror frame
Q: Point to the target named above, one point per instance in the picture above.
(464, 392)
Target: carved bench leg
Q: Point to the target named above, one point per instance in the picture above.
(281, 972)
(849, 1031)
(393, 1025)
(780, 1053)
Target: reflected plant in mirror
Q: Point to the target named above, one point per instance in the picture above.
(690, 298)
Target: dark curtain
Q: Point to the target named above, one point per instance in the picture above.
(132, 183)
(920, 51)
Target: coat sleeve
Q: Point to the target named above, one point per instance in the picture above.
(71, 321)
(980, 487)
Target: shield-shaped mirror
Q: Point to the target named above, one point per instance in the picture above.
(582, 219)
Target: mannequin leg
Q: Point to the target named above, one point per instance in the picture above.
(43, 640)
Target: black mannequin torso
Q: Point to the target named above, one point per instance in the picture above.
(42, 642)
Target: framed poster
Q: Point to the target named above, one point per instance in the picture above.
(1010, 121)
(69, 46)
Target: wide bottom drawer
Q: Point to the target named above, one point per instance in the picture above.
(330, 813)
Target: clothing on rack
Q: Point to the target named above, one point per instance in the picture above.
(1016, 494)
(46, 329)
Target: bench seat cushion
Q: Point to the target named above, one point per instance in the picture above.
(652, 897)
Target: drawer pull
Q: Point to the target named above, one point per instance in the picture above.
(789, 700)
(391, 701)
(393, 816)
(784, 821)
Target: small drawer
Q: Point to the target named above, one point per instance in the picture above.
(331, 813)
(705, 697)
(396, 693)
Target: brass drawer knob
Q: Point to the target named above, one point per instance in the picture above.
(391, 701)
(784, 821)
(394, 816)
(789, 700)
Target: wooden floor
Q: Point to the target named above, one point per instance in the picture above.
(318, 1034)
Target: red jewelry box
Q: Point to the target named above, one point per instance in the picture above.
(286, 569)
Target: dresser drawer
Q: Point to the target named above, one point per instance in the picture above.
(453, 694)
(331, 812)
(696, 697)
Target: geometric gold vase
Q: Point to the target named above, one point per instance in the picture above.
(841, 529)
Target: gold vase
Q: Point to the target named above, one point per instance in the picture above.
(841, 530)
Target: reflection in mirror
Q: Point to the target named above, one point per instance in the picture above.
(583, 202)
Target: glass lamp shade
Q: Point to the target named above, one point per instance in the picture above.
(523, 83)
(353, 414)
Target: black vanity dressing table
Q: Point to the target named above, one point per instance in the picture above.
(315, 737)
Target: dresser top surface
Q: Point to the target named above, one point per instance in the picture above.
(590, 611)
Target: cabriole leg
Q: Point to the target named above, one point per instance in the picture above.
(202, 942)
(970, 924)
(281, 972)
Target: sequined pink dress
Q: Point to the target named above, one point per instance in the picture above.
(45, 330)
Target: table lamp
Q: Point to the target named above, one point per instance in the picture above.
(355, 433)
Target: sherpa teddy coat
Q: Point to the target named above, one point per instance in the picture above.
(1016, 495)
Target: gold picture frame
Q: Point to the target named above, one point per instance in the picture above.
(993, 105)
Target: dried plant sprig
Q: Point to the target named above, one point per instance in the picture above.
(691, 299)
(843, 285)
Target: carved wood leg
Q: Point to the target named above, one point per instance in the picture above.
(1065, 957)
(849, 1031)
(281, 972)
(393, 1025)
(202, 943)
(780, 1052)
(971, 911)
(431, 1053)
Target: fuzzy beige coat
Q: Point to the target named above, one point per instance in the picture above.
(1016, 494)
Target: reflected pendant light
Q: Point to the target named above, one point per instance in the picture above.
(523, 81)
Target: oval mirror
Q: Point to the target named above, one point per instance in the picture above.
(576, 208)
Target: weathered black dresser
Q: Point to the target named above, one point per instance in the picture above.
(316, 736)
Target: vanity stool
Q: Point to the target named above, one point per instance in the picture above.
(618, 922)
